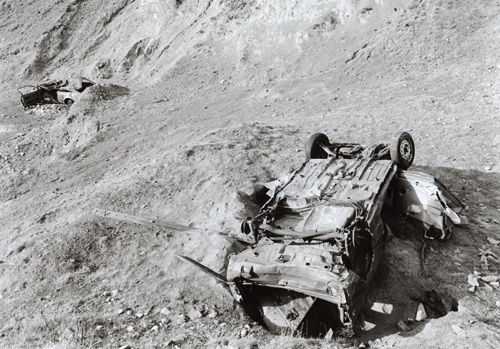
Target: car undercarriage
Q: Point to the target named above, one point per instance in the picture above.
(318, 239)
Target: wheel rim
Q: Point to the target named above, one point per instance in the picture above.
(405, 150)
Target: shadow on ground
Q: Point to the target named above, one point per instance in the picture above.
(402, 281)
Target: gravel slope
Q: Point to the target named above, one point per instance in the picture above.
(201, 101)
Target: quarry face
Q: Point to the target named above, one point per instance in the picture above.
(196, 105)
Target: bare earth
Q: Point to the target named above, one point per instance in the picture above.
(198, 103)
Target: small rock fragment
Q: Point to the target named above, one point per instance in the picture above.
(421, 314)
(458, 330)
(488, 288)
(243, 332)
(403, 326)
(195, 314)
(493, 241)
(387, 308)
(497, 304)
(382, 308)
(329, 334)
(367, 326)
(472, 289)
(495, 284)
(472, 280)
(165, 311)
(490, 278)
(181, 319)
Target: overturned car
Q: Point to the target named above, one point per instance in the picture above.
(54, 92)
(319, 237)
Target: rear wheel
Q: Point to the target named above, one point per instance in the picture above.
(289, 312)
(313, 146)
(69, 101)
(403, 150)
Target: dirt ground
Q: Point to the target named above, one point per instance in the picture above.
(198, 102)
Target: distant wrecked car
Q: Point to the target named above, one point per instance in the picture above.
(60, 91)
(318, 239)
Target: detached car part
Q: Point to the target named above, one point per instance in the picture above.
(319, 238)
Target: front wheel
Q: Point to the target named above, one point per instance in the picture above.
(313, 146)
(403, 150)
(69, 101)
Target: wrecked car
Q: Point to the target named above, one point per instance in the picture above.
(54, 92)
(316, 243)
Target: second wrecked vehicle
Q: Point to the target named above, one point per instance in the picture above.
(54, 92)
(318, 239)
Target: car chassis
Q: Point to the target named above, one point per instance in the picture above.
(317, 241)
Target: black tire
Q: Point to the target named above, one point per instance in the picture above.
(313, 148)
(403, 150)
(69, 101)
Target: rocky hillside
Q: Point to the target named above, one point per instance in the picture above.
(197, 104)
